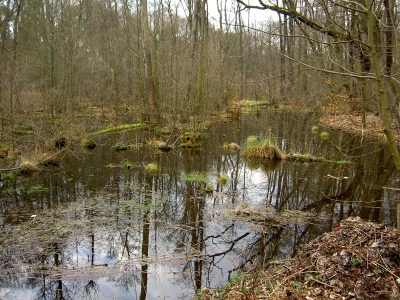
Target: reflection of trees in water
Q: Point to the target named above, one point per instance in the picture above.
(59, 290)
(152, 215)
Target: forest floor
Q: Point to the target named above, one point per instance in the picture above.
(358, 260)
(353, 123)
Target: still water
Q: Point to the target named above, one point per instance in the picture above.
(100, 226)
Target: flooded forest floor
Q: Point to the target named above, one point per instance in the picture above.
(357, 260)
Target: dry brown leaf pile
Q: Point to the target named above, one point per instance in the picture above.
(353, 123)
(358, 260)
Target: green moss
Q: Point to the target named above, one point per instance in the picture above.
(126, 127)
(36, 188)
(190, 140)
(314, 129)
(152, 168)
(89, 144)
(127, 164)
(120, 147)
(9, 176)
(357, 262)
(324, 135)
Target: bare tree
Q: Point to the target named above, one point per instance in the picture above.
(367, 38)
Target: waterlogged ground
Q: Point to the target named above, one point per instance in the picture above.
(102, 227)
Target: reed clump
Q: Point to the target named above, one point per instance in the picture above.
(262, 148)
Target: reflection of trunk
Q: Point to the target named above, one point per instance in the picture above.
(126, 245)
(196, 219)
(376, 192)
(194, 211)
(59, 293)
(145, 254)
(92, 249)
(145, 236)
(262, 243)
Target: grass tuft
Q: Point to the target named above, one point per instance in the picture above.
(262, 148)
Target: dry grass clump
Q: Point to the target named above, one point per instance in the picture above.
(231, 147)
(49, 159)
(27, 167)
(159, 144)
(261, 148)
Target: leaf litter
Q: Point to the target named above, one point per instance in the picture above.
(357, 260)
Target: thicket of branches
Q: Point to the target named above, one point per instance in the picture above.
(57, 55)
(176, 58)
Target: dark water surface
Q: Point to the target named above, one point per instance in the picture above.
(95, 229)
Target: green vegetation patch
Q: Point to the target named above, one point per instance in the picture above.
(223, 179)
(314, 129)
(89, 144)
(297, 157)
(9, 176)
(120, 147)
(324, 135)
(190, 140)
(123, 147)
(196, 177)
(251, 103)
(126, 127)
(36, 188)
(152, 168)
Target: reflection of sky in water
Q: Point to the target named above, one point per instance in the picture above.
(291, 185)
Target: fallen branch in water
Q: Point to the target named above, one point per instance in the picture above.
(125, 127)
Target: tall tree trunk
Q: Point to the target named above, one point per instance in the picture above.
(375, 59)
(146, 57)
(239, 24)
(194, 20)
(282, 58)
(390, 45)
